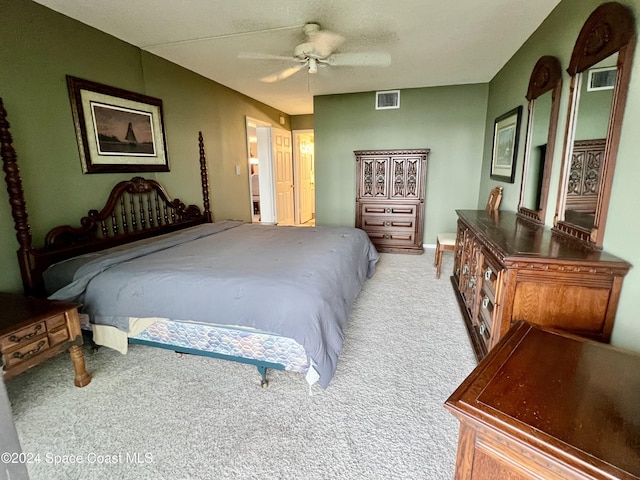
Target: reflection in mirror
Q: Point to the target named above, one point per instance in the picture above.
(587, 157)
(544, 98)
(596, 109)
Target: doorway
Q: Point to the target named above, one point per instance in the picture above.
(281, 174)
(304, 166)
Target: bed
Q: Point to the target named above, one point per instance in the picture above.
(147, 269)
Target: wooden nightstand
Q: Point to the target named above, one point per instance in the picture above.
(34, 329)
(549, 405)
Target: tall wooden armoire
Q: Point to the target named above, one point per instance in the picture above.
(390, 198)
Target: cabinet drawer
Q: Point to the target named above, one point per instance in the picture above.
(378, 222)
(22, 336)
(56, 322)
(485, 316)
(26, 352)
(58, 336)
(391, 237)
(388, 209)
(490, 271)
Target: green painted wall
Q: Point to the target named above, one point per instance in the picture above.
(302, 122)
(448, 120)
(557, 36)
(39, 48)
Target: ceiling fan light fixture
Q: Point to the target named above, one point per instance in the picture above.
(313, 65)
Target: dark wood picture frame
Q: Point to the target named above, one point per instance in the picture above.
(506, 133)
(117, 130)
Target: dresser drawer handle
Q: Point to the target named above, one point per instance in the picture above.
(485, 302)
(487, 274)
(387, 223)
(15, 339)
(465, 269)
(20, 356)
(482, 329)
(472, 282)
(387, 236)
(388, 210)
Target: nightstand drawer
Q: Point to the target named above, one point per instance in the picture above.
(57, 336)
(25, 352)
(56, 322)
(23, 335)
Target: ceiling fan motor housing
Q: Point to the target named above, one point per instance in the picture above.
(304, 51)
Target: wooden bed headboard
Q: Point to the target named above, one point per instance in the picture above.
(135, 209)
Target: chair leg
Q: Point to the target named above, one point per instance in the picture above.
(438, 262)
(435, 258)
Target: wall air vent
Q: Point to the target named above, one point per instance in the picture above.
(601, 79)
(387, 99)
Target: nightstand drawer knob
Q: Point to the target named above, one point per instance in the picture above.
(16, 339)
(387, 223)
(485, 302)
(487, 274)
(388, 210)
(387, 236)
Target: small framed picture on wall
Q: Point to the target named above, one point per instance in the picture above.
(506, 132)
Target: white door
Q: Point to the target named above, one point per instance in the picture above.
(283, 173)
(306, 182)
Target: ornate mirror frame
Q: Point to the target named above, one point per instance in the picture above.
(609, 29)
(546, 76)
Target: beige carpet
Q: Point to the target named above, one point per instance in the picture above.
(153, 414)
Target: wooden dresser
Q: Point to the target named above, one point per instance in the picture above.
(549, 405)
(507, 268)
(390, 198)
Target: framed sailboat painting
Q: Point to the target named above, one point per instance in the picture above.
(117, 130)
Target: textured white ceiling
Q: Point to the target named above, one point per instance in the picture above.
(431, 42)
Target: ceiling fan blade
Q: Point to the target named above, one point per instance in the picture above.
(263, 56)
(363, 59)
(286, 73)
(325, 42)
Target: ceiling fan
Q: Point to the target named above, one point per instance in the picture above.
(318, 51)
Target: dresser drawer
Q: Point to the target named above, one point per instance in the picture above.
(391, 237)
(25, 352)
(490, 272)
(22, 336)
(380, 222)
(388, 209)
(485, 317)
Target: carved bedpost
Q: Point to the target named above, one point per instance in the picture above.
(16, 198)
(204, 179)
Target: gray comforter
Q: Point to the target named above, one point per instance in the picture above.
(296, 282)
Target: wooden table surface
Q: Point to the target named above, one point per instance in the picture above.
(575, 399)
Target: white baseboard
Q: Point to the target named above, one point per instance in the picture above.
(429, 245)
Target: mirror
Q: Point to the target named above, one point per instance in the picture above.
(544, 104)
(600, 69)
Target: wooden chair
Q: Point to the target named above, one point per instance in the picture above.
(495, 197)
(447, 241)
